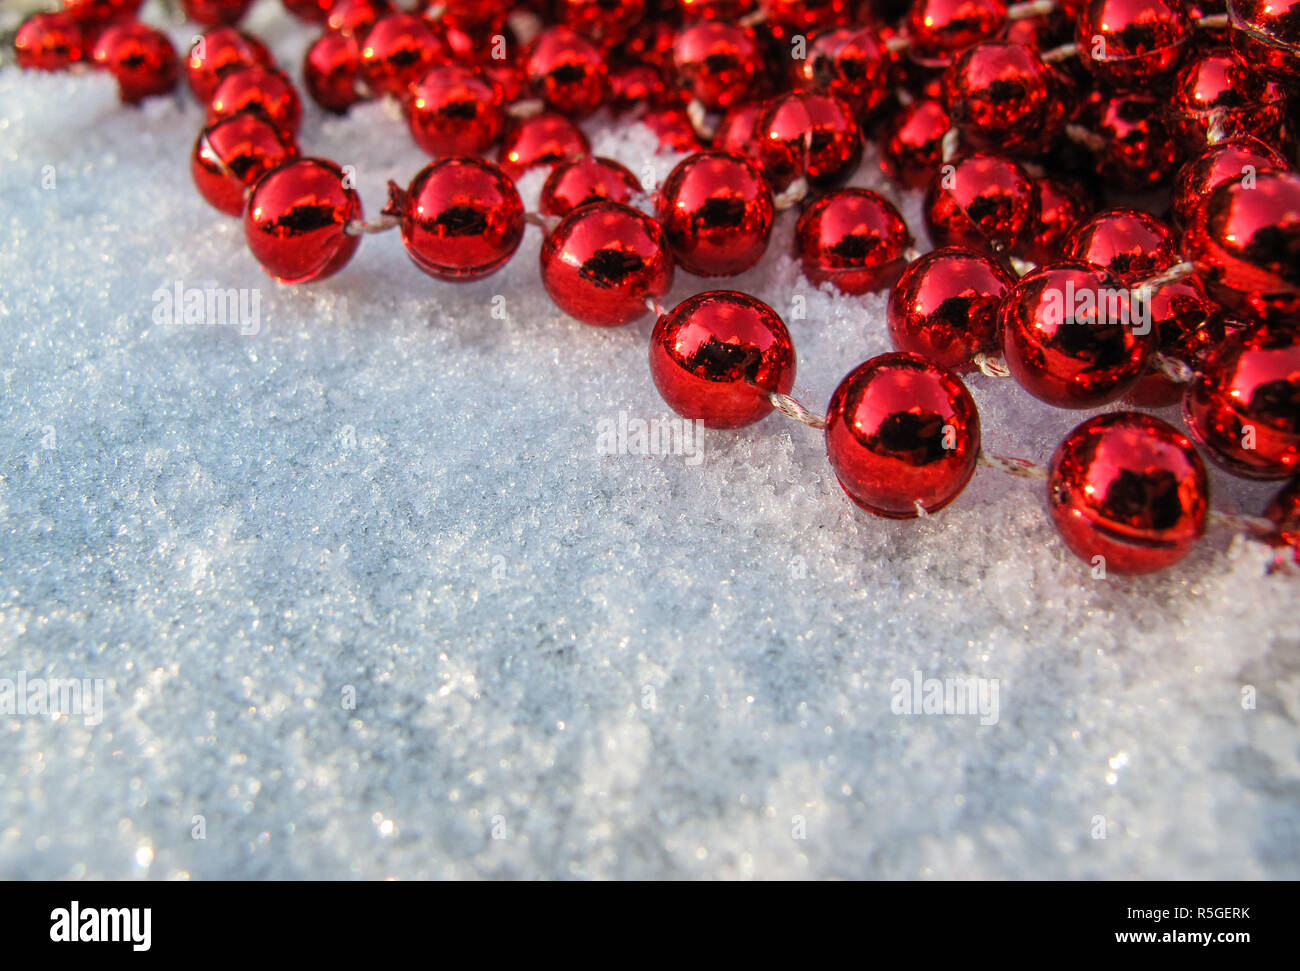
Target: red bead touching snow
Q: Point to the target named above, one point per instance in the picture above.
(579, 181)
(717, 355)
(265, 91)
(232, 154)
(812, 136)
(296, 220)
(853, 239)
(455, 110)
(543, 140)
(903, 435)
(141, 58)
(222, 51)
(49, 42)
(330, 71)
(1130, 489)
(717, 212)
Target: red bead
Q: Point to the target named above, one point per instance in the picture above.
(812, 136)
(567, 71)
(212, 13)
(462, 218)
(455, 110)
(265, 91)
(96, 14)
(939, 29)
(543, 140)
(578, 181)
(1244, 405)
(1188, 324)
(717, 355)
(330, 71)
(1267, 32)
(786, 17)
(1129, 488)
(1000, 95)
(902, 433)
(309, 11)
(634, 86)
(1220, 163)
(606, 21)
(1060, 210)
(397, 51)
(1140, 153)
(141, 58)
(673, 128)
(716, 62)
(982, 202)
(1216, 95)
(475, 15)
(1129, 243)
(296, 220)
(1073, 337)
(850, 63)
(1245, 239)
(945, 307)
(603, 260)
(232, 154)
(911, 149)
(356, 17)
(219, 52)
(1283, 511)
(853, 239)
(49, 42)
(736, 133)
(717, 212)
(1129, 43)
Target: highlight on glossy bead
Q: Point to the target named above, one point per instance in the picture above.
(297, 217)
(396, 52)
(141, 58)
(717, 212)
(1232, 158)
(1128, 243)
(461, 218)
(982, 202)
(1128, 493)
(232, 154)
(911, 146)
(455, 110)
(1061, 209)
(264, 91)
(1243, 407)
(219, 52)
(567, 71)
(1129, 43)
(603, 261)
(717, 355)
(1001, 96)
(945, 306)
(1217, 95)
(49, 42)
(716, 62)
(853, 239)
(541, 141)
(330, 71)
(578, 181)
(849, 63)
(811, 136)
(1074, 336)
(939, 29)
(903, 435)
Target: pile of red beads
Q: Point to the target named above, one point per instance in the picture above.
(1011, 118)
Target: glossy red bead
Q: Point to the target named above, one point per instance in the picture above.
(49, 42)
(1244, 405)
(1188, 324)
(1283, 511)
(567, 71)
(1140, 153)
(1130, 489)
(543, 140)
(605, 21)
(1267, 32)
(736, 133)
(982, 202)
(1061, 209)
(265, 91)
(849, 63)
(213, 13)
(1128, 243)
(853, 239)
(1245, 241)
(232, 154)
(633, 86)
(939, 29)
(911, 148)
(296, 218)
(396, 52)
(141, 58)
(475, 15)
(1073, 337)
(219, 52)
(1130, 43)
(94, 15)
(578, 181)
(1217, 95)
(1000, 95)
(717, 355)
(811, 136)
(717, 212)
(673, 129)
(309, 11)
(455, 110)
(330, 70)
(902, 433)
(356, 17)
(1222, 162)
(716, 62)
(603, 261)
(945, 307)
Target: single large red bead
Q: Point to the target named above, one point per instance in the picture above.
(1129, 488)
(716, 62)
(717, 355)
(1130, 43)
(212, 13)
(1061, 209)
(1130, 244)
(911, 148)
(461, 218)
(903, 435)
(232, 154)
(1245, 242)
(567, 71)
(717, 212)
(603, 261)
(1222, 162)
(853, 239)
(1139, 153)
(397, 51)
(1217, 95)
(945, 307)
(1073, 337)
(812, 136)
(939, 29)
(849, 63)
(455, 110)
(49, 42)
(1267, 32)
(1000, 95)
(1244, 405)
(219, 52)
(606, 21)
(543, 140)
(736, 133)
(578, 181)
(296, 220)
(330, 70)
(141, 58)
(265, 91)
(982, 202)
